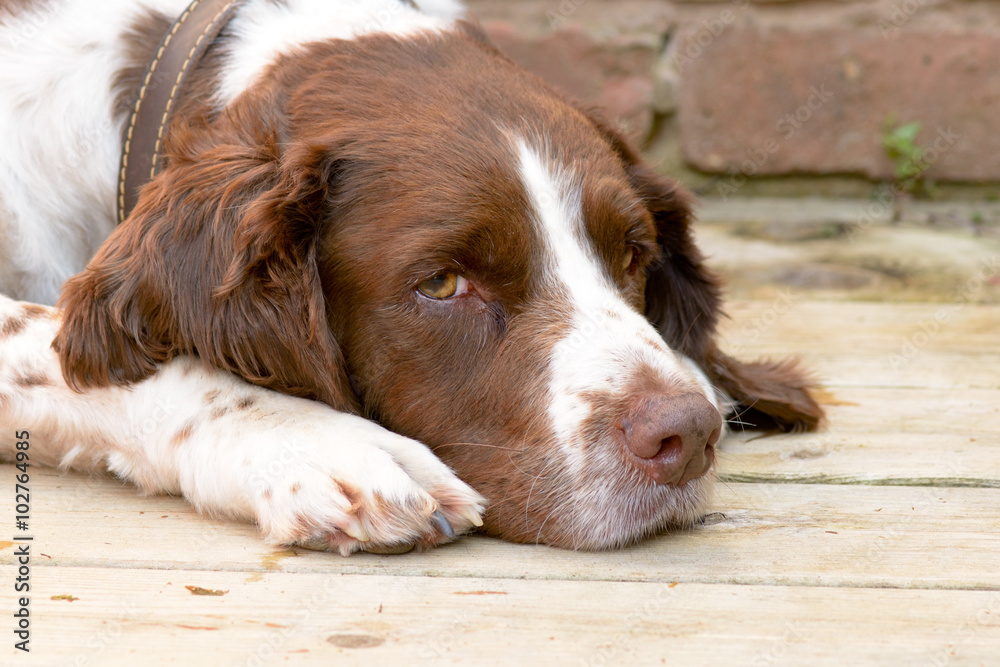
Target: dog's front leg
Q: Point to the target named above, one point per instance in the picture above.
(306, 474)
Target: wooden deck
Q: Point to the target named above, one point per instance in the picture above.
(876, 541)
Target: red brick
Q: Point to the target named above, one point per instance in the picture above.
(615, 75)
(737, 94)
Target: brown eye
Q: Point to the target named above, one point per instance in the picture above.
(628, 258)
(444, 286)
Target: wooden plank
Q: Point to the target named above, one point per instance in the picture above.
(931, 345)
(860, 458)
(129, 617)
(931, 411)
(881, 436)
(902, 263)
(938, 370)
(784, 534)
(852, 328)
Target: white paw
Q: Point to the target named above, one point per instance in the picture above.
(350, 485)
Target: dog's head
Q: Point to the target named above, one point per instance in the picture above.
(419, 232)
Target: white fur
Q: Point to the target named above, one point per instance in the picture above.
(608, 340)
(607, 343)
(277, 463)
(60, 142)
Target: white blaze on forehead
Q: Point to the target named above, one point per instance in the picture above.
(608, 341)
(267, 29)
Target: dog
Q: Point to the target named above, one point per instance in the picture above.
(386, 289)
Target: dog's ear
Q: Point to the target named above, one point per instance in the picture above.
(683, 296)
(767, 395)
(218, 259)
(683, 301)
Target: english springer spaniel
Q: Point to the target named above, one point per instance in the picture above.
(387, 287)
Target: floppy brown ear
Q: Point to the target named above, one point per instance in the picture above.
(683, 301)
(768, 395)
(218, 259)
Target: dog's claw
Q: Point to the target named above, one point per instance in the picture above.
(356, 530)
(472, 516)
(442, 524)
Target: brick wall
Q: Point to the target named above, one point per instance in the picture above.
(729, 92)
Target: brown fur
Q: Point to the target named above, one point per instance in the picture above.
(15, 7)
(33, 311)
(30, 380)
(12, 326)
(182, 435)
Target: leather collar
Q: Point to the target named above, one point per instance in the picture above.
(179, 51)
(178, 54)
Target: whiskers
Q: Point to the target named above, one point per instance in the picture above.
(735, 419)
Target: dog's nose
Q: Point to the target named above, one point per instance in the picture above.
(673, 437)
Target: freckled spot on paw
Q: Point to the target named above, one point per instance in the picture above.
(266, 494)
(219, 412)
(32, 380)
(355, 641)
(182, 435)
(380, 505)
(211, 396)
(295, 489)
(304, 526)
(245, 402)
(352, 493)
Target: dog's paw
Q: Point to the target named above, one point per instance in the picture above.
(370, 490)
